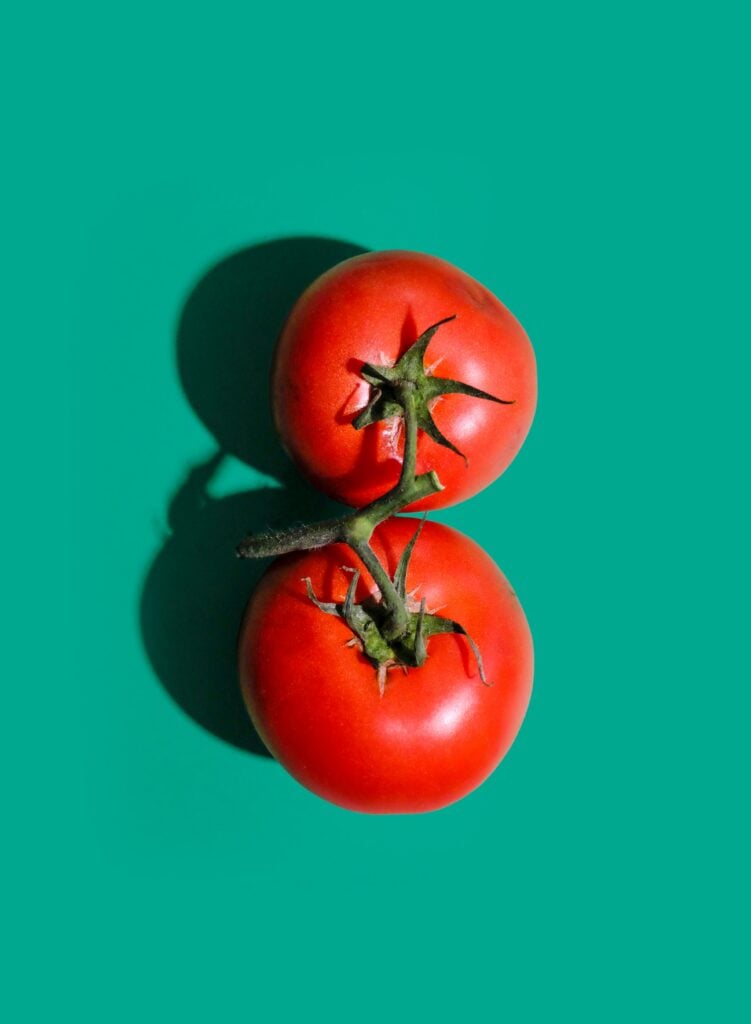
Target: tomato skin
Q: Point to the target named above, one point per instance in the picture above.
(437, 732)
(370, 309)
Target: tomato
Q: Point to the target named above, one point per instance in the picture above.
(370, 309)
(437, 731)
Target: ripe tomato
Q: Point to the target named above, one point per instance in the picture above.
(370, 309)
(437, 732)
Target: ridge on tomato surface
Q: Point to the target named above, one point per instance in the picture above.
(387, 317)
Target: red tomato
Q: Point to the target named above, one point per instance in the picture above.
(370, 309)
(437, 732)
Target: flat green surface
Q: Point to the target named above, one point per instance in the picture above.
(585, 162)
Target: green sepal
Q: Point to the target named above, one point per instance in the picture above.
(436, 386)
(400, 576)
(436, 625)
(329, 607)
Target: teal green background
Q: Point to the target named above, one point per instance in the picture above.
(586, 163)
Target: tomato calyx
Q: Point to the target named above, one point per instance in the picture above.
(368, 621)
(385, 401)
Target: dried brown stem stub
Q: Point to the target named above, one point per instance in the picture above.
(386, 630)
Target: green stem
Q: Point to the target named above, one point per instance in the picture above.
(410, 488)
(406, 393)
(356, 528)
(397, 620)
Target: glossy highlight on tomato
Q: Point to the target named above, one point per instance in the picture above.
(436, 732)
(370, 309)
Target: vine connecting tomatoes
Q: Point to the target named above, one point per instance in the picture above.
(387, 664)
